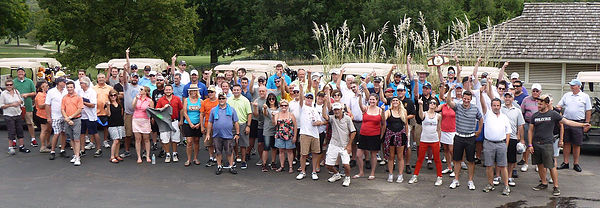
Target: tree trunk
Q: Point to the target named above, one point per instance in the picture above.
(214, 57)
(18, 42)
(58, 43)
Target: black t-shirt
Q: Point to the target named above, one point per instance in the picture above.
(157, 94)
(544, 126)
(119, 88)
(116, 116)
(409, 105)
(425, 105)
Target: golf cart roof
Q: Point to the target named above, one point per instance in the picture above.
(589, 76)
(51, 62)
(468, 70)
(381, 69)
(270, 63)
(24, 64)
(310, 68)
(156, 64)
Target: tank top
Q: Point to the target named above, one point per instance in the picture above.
(285, 129)
(429, 133)
(140, 108)
(448, 119)
(116, 116)
(394, 124)
(371, 125)
(193, 111)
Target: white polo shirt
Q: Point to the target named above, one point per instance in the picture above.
(54, 99)
(308, 115)
(89, 113)
(497, 126)
(575, 105)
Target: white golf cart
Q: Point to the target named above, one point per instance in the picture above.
(591, 140)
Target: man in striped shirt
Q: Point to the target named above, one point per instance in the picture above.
(468, 117)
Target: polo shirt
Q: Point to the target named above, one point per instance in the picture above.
(308, 115)
(575, 105)
(25, 86)
(54, 99)
(247, 94)
(202, 90)
(529, 107)
(420, 87)
(144, 81)
(175, 103)
(242, 107)
(223, 127)
(6, 98)
(71, 103)
(497, 126)
(178, 90)
(466, 118)
(271, 81)
(515, 118)
(102, 98)
(87, 112)
(340, 130)
(354, 105)
(130, 92)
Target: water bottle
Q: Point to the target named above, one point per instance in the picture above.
(153, 159)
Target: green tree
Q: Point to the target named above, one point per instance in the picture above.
(14, 18)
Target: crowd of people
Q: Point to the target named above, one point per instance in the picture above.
(349, 121)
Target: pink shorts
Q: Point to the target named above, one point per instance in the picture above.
(141, 125)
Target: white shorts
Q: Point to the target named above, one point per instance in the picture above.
(116, 132)
(555, 146)
(447, 137)
(171, 136)
(332, 154)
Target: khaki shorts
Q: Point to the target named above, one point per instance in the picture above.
(309, 144)
(209, 142)
(28, 118)
(418, 130)
(128, 128)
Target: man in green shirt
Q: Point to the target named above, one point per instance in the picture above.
(26, 88)
(244, 114)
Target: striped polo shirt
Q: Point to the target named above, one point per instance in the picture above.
(466, 118)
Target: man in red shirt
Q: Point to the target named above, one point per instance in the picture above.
(170, 138)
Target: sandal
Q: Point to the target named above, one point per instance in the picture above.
(371, 177)
(196, 162)
(265, 169)
(119, 158)
(279, 169)
(139, 161)
(114, 160)
(273, 166)
(187, 163)
(356, 176)
(148, 160)
(291, 170)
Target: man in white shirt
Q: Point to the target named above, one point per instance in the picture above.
(309, 135)
(181, 69)
(497, 134)
(53, 102)
(89, 117)
(577, 107)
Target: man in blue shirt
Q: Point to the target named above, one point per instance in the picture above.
(146, 78)
(177, 86)
(194, 80)
(279, 73)
(221, 123)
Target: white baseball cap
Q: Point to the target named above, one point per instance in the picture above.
(536, 86)
(152, 73)
(336, 106)
(194, 72)
(514, 75)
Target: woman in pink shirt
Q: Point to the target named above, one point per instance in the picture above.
(140, 123)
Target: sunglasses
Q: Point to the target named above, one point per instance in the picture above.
(516, 85)
(535, 91)
(261, 80)
(9, 84)
(272, 99)
(401, 90)
(211, 91)
(296, 92)
(283, 105)
(277, 81)
(309, 97)
(160, 80)
(450, 72)
(113, 95)
(435, 103)
(151, 75)
(222, 98)
(337, 95)
(501, 88)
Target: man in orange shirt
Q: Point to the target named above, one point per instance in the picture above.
(206, 106)
(71, 107)
(102, 89)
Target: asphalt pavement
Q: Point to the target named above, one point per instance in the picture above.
(31, 180)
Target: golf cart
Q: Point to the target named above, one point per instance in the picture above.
(157, 65)
(591, 139)
(33, 67)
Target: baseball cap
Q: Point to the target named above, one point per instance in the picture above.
(364, 75)
(451, 68)
(160, 76)
(151, 72)
(147, 68)
(309, 94)
(316, 77)
(193, 87)
(538, 86)
(508, 93)
(182, 62)
(514, 75)
(133, 74)
(389, 89)
(335, 71)
(296, 88)
(336, 106)
(428, 85)
(20, 68)
(484, 74)
(458, 85)
(575, 82)
(397, 74)
(220, 75)
(545, 97)
(134, 66)
(194, 72)
(60, 74)
(483, 81)
(377, 79)
(401, 87)
(212, 88)
(261, 78)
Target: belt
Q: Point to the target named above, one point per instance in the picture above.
(465, 135)
(501, 141)
(356, 121)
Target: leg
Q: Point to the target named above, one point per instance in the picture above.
(390, 164)
(489, 172)
(196, 147)
(303, 163)
(471, 170)
(146, 139)
(566, 152)
(373, 162)
(114, 152)
(138, 146)
(576, 152)
(290, 158)
(542, 173)
(189, 149)
(554, 175)
(400, 155)
(437, 159)
(359, 160)
(448, 151)
(504, 174)
(420, 158)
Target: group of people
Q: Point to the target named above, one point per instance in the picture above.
(346, 122)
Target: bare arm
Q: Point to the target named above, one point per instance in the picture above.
(440, 76)
(173, 59)
(458, 68)
(420, 107)
(439, 126)
(530, 136)
(408, 59)
(476, 68)
(389, 75)
(251, 85)
(520, 133)
(325, 113)
(482, 100)
(383, 124)
(501, 73)
(573, 123)
(480, 127)
(449, 99)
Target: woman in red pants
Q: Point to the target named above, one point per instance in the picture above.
(430, 138)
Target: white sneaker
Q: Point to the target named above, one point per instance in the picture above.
(77, 162)
(346, 182)
(259, 163)
(168, 158)
(444, 160)
(471, 185)
(446, 171)
(87, 139)
(334, 178)
(383, 162)
(511, 182)
(464, 166)
(301, 176)
(399, 179)
(536, 168)
(106, 144)
(90, 146)
(524, 168)
(413, 179)
(496, 181)
(315, 176)
(452, 174)
(175, 157)
(238, 160)
(378, 157)
(390, 178)
(73, 159)
(454, 184)
(429, 161)
(550, 180)
(438, 181)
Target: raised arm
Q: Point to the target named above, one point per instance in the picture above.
(325, 113)
(339, 79)
(363, 108)
(420, 107)
(476, 68)
(408, 59)
(389, 75)
(482, 100)
(173, 59)
(501, 73)
(458, 68)
(440, 76)
(449, 99)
